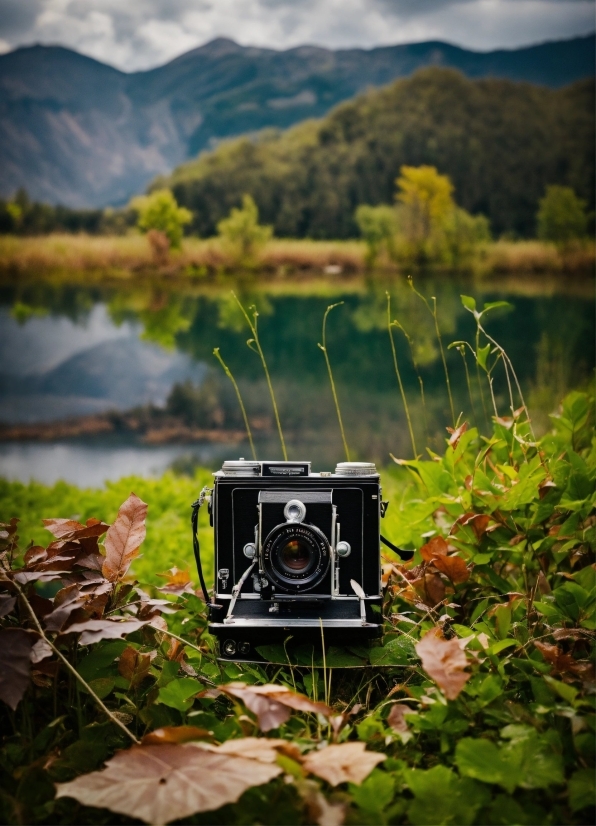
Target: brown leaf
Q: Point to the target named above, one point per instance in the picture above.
(175, 734)
(271, 703)
(479, 522)
(545, 487)
(70, 529)
(263, 749)
(104, 629)
(15, 657)
(454, 567)
(124, 538)
(456, 434)
(444, 661)
(158, 784)
(178, 582)
(564, 663)
(66, 601)
(343, 763)
(7, 603)
(34, 555)
(396, 717)
(41, 651)
(434, 588)
(436, 546)
(134, 666)
(319, 809)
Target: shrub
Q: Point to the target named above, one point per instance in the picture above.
(561, 216)
(160, 212)
(242, 232)
(377, 225)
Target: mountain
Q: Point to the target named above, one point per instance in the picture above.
(78, 132)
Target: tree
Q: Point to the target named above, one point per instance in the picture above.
(377, 226)
(242, 232)
(425, 199)
(160, 212)
(561, 216)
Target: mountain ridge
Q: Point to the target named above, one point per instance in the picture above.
(77, 131)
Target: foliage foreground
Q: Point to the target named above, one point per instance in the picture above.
(478, 706)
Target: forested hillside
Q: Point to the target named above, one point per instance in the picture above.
(500, 142)
(77, 132)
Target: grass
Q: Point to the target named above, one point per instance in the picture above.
(101, 257)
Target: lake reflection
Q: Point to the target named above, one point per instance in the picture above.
(70, 351)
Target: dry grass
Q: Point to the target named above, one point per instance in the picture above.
(100, 257)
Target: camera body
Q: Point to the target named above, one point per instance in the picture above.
(297, 554)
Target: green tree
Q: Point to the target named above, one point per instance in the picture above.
(462, 233)
(377, 226)
(561, 216)
(159, 211)
(242, 232)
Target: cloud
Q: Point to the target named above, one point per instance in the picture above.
(139, 34)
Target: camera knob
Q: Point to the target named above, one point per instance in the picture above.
(250, 550)
(343, 549)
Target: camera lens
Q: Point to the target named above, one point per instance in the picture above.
(295, 555)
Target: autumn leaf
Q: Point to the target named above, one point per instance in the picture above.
(134, 666)
(175, 734)
(103, 629)
(70, 529)
(395, 718)
(124, 538)
(263, 749)
(178, 582)
(454, 567)
(158, 784)
(343, 763)
(7, 603)
(444, 661)
(433, 548)
(272, 703)
(15, 657)
(479, 522)
(456, 434)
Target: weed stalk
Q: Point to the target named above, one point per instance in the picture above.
(228, 373)
(398, 374)
(323, 347)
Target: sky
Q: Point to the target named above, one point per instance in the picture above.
(140, 34)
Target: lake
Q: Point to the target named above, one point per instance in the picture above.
(69, 351)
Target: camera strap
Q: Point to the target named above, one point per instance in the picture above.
(196, 506)
(404, 554)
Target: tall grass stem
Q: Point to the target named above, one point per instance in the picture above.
(323, 347)
(253, 325)
(228, 373)
(398, 375)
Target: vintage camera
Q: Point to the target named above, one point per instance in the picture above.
(296, 554)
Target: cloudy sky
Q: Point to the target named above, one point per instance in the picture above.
(139, 34)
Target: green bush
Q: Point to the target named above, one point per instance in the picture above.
(561, 216)
(159, 211)
(242, 232)
(377, 225)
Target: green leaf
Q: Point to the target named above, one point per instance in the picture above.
(482, 760)
(441, 797)
(501, 645)
(468, 302)
(273, 653)
(398, 651)
(100, 659)
(179, 694)
(374, 793)
(102, 686)
(482, 355)
(492, 305)
(342, 658)
(582, 790)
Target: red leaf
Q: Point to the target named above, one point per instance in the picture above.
(15, 659)
(396, 717)
(178, 582)
(444, 661)
(175, 734)
(70, 529)
(124, 538)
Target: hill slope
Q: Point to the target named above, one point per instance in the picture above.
(76, 131)
(500, 142)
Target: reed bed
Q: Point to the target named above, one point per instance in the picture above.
(126, 256)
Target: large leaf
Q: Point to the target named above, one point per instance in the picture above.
(158, 784)
(441, 797)
(124, 538)
(272, 703)
(15, 664)
(444, 661)
(347, 762)
(104, 629)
